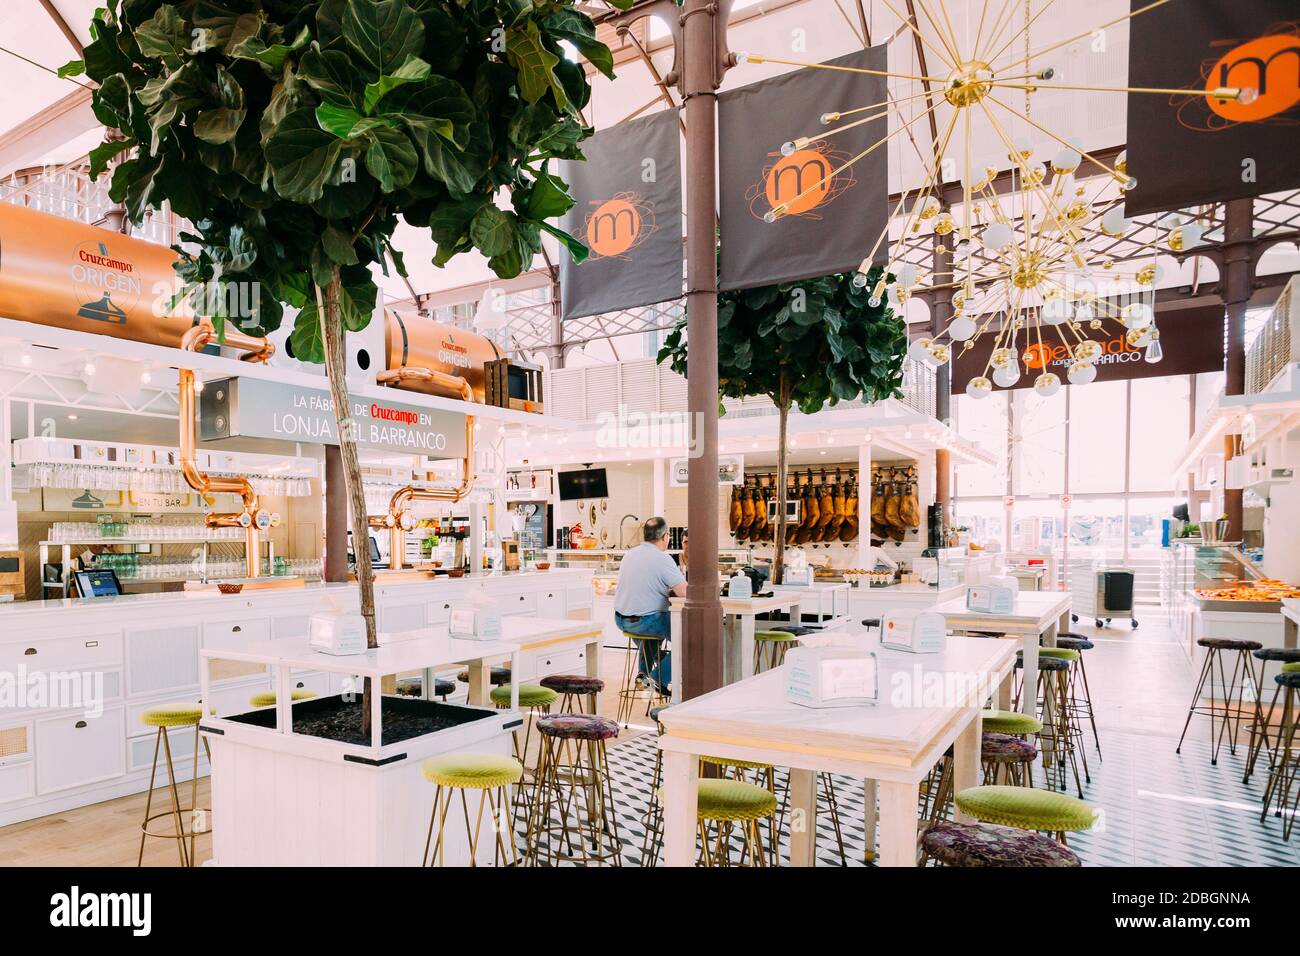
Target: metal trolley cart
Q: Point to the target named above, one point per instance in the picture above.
(1105, 594)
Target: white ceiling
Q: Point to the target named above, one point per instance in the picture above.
(802, 30)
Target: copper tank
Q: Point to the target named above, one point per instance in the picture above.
(58, 272)
(416, 345)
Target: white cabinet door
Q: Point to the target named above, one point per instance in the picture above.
(76, 750)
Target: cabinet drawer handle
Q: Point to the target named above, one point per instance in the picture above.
(80, 725)
(301, 685)
(30, 652)
(446, 607)
(236, 629)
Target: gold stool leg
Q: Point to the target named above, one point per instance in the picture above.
(176, 799)
(148, 800)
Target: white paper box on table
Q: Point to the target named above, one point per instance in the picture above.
(337, 633)
(918, 632)
(831, 677)
(740, 586)
(991, 598)
(476, 621)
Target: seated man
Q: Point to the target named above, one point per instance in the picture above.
(646, 578)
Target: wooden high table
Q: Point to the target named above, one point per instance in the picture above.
(891, 745)
(738, 616)
(1037, 614)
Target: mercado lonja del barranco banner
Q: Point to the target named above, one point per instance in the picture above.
(1192, 340)
(829, 187)
(1189, 149)
(628, 210)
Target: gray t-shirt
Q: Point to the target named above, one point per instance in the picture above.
(645, 577)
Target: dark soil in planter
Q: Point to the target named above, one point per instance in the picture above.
(336, 718)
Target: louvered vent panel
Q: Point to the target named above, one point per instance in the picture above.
(566, 393)
(672, 390)
(602, 390)
(638, 389)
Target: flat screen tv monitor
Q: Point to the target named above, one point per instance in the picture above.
(97, 583)
(586, 484)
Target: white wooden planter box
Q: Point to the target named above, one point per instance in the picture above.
(286, 799)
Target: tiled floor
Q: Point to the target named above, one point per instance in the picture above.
(1158, 808)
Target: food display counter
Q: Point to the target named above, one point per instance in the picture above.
(90, 667)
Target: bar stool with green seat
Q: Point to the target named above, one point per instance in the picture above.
(534, 700)
(770, 648)
(1081, 694)
(727, 804)
(1027, 809)
(645, 654)
(1061, 736)
(267, 698)
(1285, 760)
(490, 774)
(164, 718)
(1226, 713)
(1289, 658)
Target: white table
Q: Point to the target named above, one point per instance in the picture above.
(1037, 614)
(519, 635)
(891, 745)
(738, 616)
(826, 599)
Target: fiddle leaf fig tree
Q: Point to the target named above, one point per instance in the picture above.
(295, 134)
(804, 345)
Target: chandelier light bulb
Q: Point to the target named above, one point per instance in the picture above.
(979, 387)
(1135, 315)
(997, 236)
(1113, 222)
(1047, 384)
(1087, 351)
(1066, 160)
(1055, 311)
(859, 280)
(787, 148)
(1083, 312)
(1007, 375)
(1081, 373)
(919, 350)
(1247, 95)
(1139, 337)
(1155, 352)
(962, 328)
(907, 275)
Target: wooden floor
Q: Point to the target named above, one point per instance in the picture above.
(1141, 682)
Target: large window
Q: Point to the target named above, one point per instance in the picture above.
(1111, 446)
(1097, 417)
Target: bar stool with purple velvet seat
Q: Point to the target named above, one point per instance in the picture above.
(572, 816)
(577, 691)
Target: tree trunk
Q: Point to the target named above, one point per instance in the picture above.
(783, 414)
(333, 335)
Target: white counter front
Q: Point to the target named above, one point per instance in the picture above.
(76, 674)
(866, 603)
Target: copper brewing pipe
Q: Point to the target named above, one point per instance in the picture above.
(392, 520)
(256, 350)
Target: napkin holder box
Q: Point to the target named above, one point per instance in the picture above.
(991, 598)
(475, 622)
(824, 677)
(802, 578)
(917, 632)
(341, 635)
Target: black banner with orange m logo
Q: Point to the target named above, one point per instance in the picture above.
(1191, 148)
(628, 210)
(829, 186)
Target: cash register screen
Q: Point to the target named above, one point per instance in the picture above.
(98, 584)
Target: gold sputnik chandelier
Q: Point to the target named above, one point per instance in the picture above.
(1024, 264)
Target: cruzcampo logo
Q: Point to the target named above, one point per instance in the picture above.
(618, 225)
(106, 285)
(803, 183)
